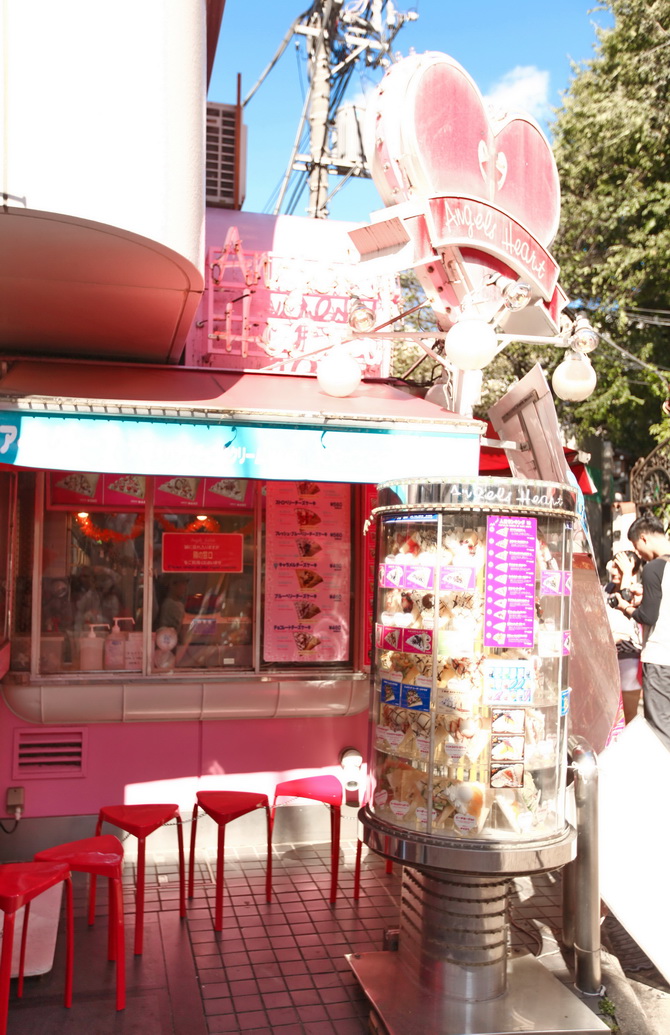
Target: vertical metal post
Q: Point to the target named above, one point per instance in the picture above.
(582, 892)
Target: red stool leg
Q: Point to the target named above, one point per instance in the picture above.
(69, 941)
(334, 850)
(6, 967)
(389, 866)
(357, 869)
(92, 882)
(139, 896)
(182, 868)
(116, 896)
(268, 868)
(22, 953)
(218, 901)
(191, 858)
(111, 928)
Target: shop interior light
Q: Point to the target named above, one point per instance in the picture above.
(338, 374)
(574, 379)
(361, 317)
(200, 517)
(583, 338)
(83, 514)
(471, 344)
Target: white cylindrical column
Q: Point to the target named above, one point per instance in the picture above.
(103, 113)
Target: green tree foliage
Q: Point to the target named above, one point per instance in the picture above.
(612, 147)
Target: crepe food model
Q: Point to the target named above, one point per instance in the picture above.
(82, 484)
(307, 578)
(307, 518)
(307, 547)
(304, 642)
(183, 488)
(130, 485)
(306, 610)
(230, 488)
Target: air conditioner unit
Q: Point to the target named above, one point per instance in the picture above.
(226, 156)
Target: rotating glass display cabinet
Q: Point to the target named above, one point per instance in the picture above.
(472, 637)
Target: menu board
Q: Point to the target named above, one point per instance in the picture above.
(511, 544)
(308, 571)
(128, 491)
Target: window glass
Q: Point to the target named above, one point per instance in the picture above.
(203, 600)
(91, 591)
(23, 572)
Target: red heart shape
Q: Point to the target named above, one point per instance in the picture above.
(434, 137)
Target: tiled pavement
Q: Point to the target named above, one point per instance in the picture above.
(275, 969)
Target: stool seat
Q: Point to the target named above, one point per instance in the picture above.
(223, 807)
(327, 789)
(20, 883)
(100, 856)
(141, 820)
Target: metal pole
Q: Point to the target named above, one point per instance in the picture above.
(585, 892)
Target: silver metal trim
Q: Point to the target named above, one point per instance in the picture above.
(475, 857)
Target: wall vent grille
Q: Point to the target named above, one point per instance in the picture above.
(47, 754)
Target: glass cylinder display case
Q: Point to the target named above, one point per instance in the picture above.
(470, 690)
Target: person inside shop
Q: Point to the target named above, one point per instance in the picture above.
(653, 613)
(173, 608)
(624, 569)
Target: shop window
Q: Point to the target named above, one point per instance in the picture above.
(203, 592)
(22, 548)
(91, 591)
(155, 576)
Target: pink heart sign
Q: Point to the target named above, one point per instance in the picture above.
(434, 137)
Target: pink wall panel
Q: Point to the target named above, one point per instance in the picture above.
(169, 761)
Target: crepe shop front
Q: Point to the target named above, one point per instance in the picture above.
(141, 607)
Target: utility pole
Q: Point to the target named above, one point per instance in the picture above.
(320, 47)
(338, 35)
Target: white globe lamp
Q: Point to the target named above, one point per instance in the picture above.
(338, 375)
(574, 379)
(471, 344)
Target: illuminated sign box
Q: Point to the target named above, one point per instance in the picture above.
(195, 551)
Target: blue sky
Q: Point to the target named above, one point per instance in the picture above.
(520, 52)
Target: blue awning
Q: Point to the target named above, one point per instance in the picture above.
(144, 420)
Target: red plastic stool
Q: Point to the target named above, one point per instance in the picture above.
(357, 869)
(100, 857)
(223, 807)
(20, 883)
(328, 790)
(140, 821)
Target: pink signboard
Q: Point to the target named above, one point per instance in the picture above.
(69, 489)
(308, 570)
(202, 551)
(511, 544)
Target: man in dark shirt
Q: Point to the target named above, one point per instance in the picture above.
(653, 613)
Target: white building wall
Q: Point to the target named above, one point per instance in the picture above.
(103, 113)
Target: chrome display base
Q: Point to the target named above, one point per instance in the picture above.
(535, 1002)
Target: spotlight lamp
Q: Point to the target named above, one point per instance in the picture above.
(584, 338)
(516, 294)
(361, 317)
(574, 379)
